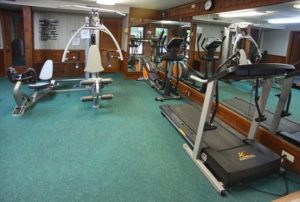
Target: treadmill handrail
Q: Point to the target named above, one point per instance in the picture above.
(252, 71)
(292, 74)
(195, 78)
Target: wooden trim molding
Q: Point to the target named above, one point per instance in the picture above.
(197, 7)
(2, 69)
(143, 13)
(274, 59)
(28, 35)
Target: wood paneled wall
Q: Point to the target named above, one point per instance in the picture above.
(197, 8)
(68, 69)
(106, 43)
(28, 35)
(142, 13)
(2, 69)
(61, 70)
(124, 63)
(274, 59)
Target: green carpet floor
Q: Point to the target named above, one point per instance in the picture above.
(63, 150)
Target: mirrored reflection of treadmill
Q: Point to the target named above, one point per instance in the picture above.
(224, 156)
(287, 128)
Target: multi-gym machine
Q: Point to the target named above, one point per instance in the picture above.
(94, 67)
(234, 34)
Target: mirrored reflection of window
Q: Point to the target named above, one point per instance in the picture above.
(188, 39)
(136, 46)
(16, 27)
(158, 31)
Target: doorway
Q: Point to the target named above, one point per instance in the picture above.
(294, 49)
(13, 39)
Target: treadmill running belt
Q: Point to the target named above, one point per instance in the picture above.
(186, 119)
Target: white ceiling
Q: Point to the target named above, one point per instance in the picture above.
(284, 10)
(151, 4)
(122, 5)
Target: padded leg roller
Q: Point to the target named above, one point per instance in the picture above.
(106, 81)
(99, 80)
(91, 98)
(106, 97)
(87, 98)
(87, 82)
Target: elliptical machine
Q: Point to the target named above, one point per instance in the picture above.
(174, 54)
(149, 65)
(183, 72)
(133, 50)
(210, 58)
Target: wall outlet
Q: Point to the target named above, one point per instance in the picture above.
(288, 156)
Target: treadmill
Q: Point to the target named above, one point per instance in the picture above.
(223, 155)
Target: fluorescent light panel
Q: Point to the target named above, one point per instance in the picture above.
(106, 2)
(284, 20)
(240, 14)
(297, 6)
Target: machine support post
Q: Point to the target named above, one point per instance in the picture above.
(262, 104)
(284, 95)
(204, 117)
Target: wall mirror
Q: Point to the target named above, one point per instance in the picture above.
(276, 31)
(148, 41)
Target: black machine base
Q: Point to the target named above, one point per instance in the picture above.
(241, 164)
(231, 157)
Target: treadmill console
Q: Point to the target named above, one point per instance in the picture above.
(175, 43)
(214, 44)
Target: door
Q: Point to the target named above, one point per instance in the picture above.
(106, 44)
(13, 39)
(294, 49)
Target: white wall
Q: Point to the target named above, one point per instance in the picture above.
(209, 31)
(276, 41)
(1, 38)
(125, 35)
(67, 23)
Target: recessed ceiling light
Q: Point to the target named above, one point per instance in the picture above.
(297, 6)
(284, 20)
(106, 2)
(240, 14)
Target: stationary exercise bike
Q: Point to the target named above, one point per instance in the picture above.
(30, 78)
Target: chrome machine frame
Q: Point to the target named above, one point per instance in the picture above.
(92, 23)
